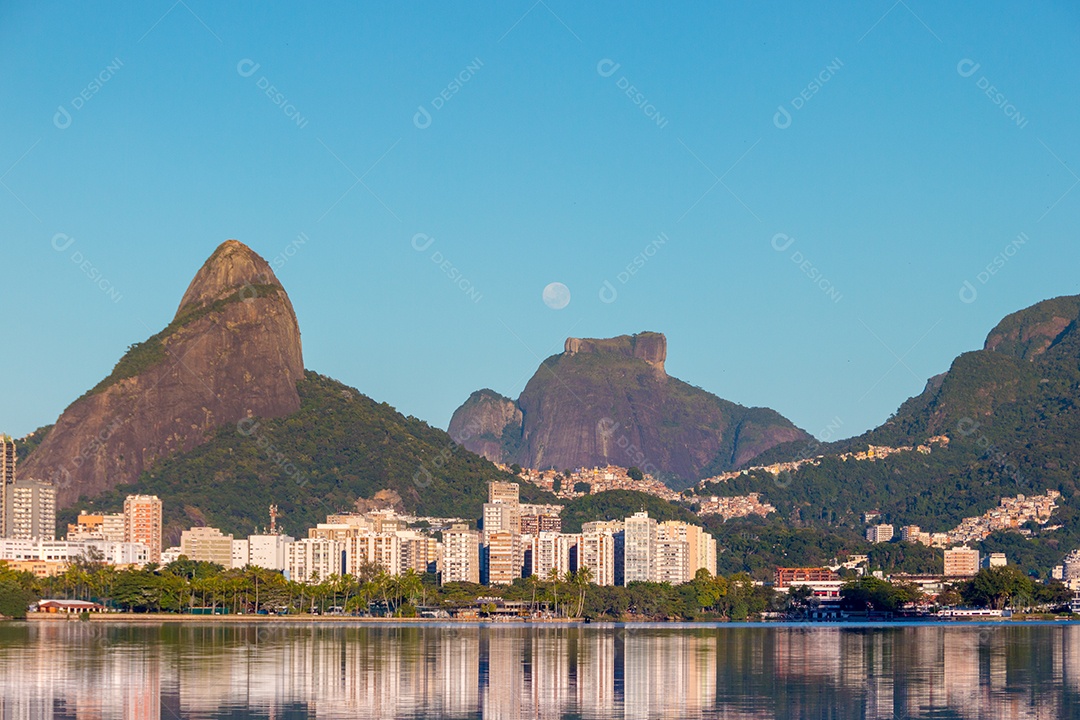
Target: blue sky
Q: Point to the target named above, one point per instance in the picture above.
(802, 191)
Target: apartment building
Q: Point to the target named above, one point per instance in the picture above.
(461, 555)
(961, 562)
(207, 544)
(31, 509)
(142, 523)
(314, 559)
(639, 548)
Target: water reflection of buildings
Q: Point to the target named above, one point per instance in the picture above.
(77, 670)
(87, 671)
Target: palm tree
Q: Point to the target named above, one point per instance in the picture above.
(553, 578)
(409, 585)
(532, 583)
(582, 578)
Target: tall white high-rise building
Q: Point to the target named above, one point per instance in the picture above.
(502, 511)
(639, 550)
(373, 548)
(268, 551)
(142, 523)
(419, 551)
(553, 551)
(31, 510)
(504, 492)
(241, 552)
(596, 551)
(461, 555)
(8, 457)
(671, 558)
(700, 551)
(501, 560)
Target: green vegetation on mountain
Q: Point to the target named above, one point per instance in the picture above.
(1012, 417)
(758, 546)
(905, 557)
(618, 505)
(26, 445)
(144, 355)
(339, 447)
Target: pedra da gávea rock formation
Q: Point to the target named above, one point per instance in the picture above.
(610, 401)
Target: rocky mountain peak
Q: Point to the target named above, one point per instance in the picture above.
(1028, 333)
(232, 351)
(231, 268)
(648, 346)
(609, 401)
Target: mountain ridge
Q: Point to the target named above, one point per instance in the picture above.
(610, 401)
(231, 351)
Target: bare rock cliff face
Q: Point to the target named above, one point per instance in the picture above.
(486, 424)
(232, 351)
(648, 346)
(610, 401)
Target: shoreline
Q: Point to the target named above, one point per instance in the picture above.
(163, 618)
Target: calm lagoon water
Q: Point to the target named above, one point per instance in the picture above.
(331, 670)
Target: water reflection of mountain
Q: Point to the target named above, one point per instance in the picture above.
(90, 671)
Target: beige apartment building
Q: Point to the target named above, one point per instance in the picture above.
(142, 523)
(961, 562)
(207, 544)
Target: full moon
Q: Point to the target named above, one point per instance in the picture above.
(556, 296)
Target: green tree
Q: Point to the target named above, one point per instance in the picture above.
(799, 597)
(16, 592)
(707, 589)
(999, 587)
(869, 592)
